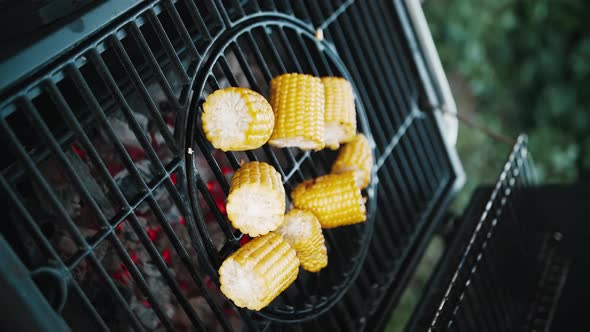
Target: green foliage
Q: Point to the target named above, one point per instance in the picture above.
(528, 63)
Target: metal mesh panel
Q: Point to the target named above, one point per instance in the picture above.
(112, 183)
(495, 280)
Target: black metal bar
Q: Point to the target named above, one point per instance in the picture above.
(153, 63)
(151, 105)
(315, 12)
(181, 28)
(384, 89)
(406, 98)
(368, 99)
(167, 45)
(411, 88)
(221, 220)
(197, 17)
(286, 4)
(110, 82)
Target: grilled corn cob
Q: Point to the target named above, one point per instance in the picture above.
(237, 119)
(256, 200)
(303, 232)
(340, 116)
(334, 198)
(356, 156)
(259, 271)
(298, 104)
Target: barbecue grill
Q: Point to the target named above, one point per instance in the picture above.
(115, 200)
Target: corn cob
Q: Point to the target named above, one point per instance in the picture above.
(303, 232)
(256, 200)
(237, 119)
(334, 198)
(356, 156)
(298, 103)
(259, 271)
(340, 116)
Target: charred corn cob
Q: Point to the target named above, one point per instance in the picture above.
(256, 200)
(298, 104)
(303, 232)
(334, 198)
(259, 271)
(237, 119)
(356, 156)
(340, 116)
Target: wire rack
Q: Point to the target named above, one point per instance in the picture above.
(112, 185)
(496, 278)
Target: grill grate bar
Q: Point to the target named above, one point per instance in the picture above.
(287, 45)
(392, 48)
(301, 8)
(108, 79)
(162, 267)
(198, 18)
(287, 7)
(151, 106)
(373, 65)
(410, 89)
(376, 123)
(397, 137)
(336, 14)
(181, 28)
(402, 93)
(215, 168)
(227, 231)
(407, 206)
(153, 63)
(296, 167)
(154, 21)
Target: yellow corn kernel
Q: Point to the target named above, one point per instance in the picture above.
(356, 156)
(298, 103)
(259, 271)
(256, 200)
(340, 116)
(237, 119)
(334, 198)
(303, 232)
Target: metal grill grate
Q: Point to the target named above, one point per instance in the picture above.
(506, 262)
(112, 184)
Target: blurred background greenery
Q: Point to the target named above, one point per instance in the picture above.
(514, 66)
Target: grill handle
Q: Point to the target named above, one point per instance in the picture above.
(23, 306)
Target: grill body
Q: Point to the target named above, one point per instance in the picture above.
(112, 190)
